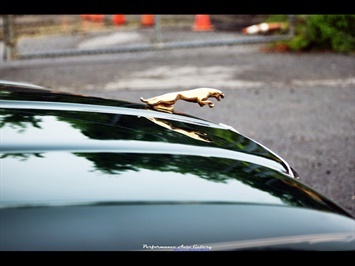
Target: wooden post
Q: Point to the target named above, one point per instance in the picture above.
(9, 38)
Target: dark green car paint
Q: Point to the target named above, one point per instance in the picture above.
(71, 163)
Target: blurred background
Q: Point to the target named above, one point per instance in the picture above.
(30, 36)
(34, 36)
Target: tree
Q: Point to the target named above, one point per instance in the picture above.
(322, 33)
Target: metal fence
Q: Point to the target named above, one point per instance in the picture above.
(43, 36)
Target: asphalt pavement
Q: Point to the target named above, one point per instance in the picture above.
(300, 105)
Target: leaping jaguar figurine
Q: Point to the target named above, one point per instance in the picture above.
(166, 101)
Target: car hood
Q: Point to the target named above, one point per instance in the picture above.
(87, 150)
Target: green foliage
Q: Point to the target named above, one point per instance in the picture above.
(324, 32)
(277, 18)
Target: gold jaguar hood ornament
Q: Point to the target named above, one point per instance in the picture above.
(166, 101)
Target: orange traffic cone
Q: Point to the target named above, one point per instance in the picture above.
(147, 20)
(202, 23)
(118, 19)
(85, 17)
(97, 17)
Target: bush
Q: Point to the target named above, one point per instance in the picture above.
(324, 32)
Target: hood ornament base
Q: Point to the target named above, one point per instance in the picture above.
(166, 101)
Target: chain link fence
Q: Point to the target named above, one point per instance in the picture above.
(43, 36)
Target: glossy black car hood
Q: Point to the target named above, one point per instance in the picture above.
(61, 149)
